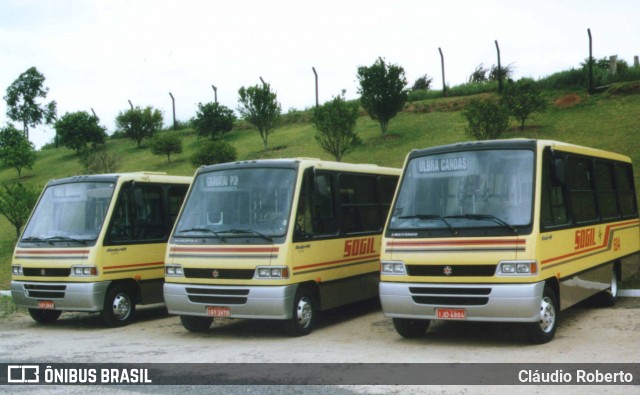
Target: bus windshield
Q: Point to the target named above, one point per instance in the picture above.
(70, 212)
(467, 189)
(249, 202)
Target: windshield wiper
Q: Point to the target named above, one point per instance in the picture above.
(65, 238)
(249, 231)
(35, 239)
(216, 234)
(481, 217)
(429, 217)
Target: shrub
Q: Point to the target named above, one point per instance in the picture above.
(487, 119)
(212, 152)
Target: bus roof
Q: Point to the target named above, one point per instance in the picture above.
(295, 163)
(131, 176)
(519, 143)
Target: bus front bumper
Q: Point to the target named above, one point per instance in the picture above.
(471, 302)
(271, 302)
(66, 296)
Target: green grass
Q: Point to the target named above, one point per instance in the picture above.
(607, 121)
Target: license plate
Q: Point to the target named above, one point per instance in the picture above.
(46, 305)
(218, 311)
(451, 314)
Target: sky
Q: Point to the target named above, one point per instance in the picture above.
(100, 54)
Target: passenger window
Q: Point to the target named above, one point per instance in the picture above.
(583, 196)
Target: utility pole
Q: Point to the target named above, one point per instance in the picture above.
(499, 68)
(590, 88)
(263, 83)
(444, 85)
(316, 74)
(175, 125)
(131, 104)
(215, 93)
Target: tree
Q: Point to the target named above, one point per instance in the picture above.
(479, 74)
(166, 144)
(213, 119)
(382, 91)
(16, 203)
(99, 161)
(212, 152)
(259, 106)
(523, 98)
(22, 101)
(138, 123)
(335, 124)
(487, 119)
(76, 130)
(423, 83)
(16, 150)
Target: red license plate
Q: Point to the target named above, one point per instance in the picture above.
(218, 311)
(46, 304)
(451, 314)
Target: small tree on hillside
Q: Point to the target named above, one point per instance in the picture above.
(22, 101)
(382, 90)
(16, 203)
(76, 130)
(99, 161)
(138, 123)
(166, 144)
(423, 83)
(259, 106)
(335, 123)
(213, 120)
(523, 98)
(487, 119)
(16, 150)
(212, 152)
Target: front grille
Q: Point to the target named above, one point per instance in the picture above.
(45, 291)
(46, 272)
(450, 296)
(451, 270)
(226, 296)
(222, 274)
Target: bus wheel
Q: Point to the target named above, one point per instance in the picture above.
(543, 330)
(410, 328)
(304, 314)
(196, 324)
(119, 306)
(44, 316)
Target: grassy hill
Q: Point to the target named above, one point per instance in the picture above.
(607, 121)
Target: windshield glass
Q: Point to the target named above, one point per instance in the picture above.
(471, 189)
(250, 202)
(73, 211)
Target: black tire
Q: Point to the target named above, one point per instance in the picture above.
(195, 323)
(410, 328)
(119, 306)
(304, 314)
(44, 316)
(543, 330)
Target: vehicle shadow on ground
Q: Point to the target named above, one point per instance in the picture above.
(237, 328)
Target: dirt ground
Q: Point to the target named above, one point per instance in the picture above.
(358, 333)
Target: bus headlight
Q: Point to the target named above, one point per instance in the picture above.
(173, 271)
(84, 271)
(517, 268)
(16, 270)
(391, 267)
(274, 272)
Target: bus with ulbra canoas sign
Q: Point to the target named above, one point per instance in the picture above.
(96, 243)
(277, 239)
(507, 231)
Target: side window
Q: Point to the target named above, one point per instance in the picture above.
(177, 194)
(626, 191)
(139, 215)
(605, 190)
(583, 196)
(358, 203)
(315, 215)
(553, 203)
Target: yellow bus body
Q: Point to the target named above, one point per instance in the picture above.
(215, 271)
(485, 269)
(56, 273)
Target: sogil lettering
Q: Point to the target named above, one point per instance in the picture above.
(355, 247)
